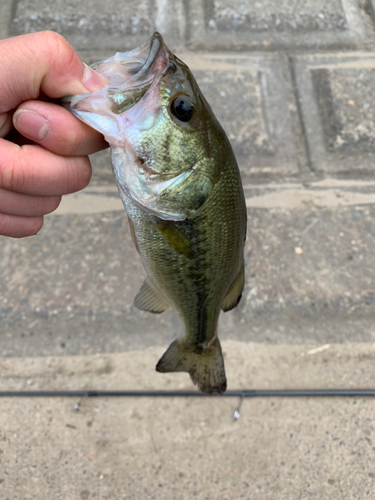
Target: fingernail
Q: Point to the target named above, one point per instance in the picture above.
(31, 124)
(92, 80)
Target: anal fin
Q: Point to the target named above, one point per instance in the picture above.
(149, 299)
(234, 293)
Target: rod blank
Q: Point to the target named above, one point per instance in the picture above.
(174, 394)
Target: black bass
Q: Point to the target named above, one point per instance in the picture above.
(181, 188)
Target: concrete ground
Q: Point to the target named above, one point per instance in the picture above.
(293, 85)
(190, 448)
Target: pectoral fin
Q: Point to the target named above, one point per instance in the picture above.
(234, 293)
(174, 236)
(149, 299)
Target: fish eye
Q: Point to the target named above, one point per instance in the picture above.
(182, 108)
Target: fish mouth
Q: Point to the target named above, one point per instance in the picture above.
(130, 74)
(154, 47)
(151, 60)
(135, 65)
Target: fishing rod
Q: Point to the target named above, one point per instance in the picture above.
(156, 393)
(242, 394)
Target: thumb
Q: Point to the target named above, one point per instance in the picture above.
(42, 62)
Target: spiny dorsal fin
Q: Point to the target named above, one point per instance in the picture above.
(234, 293)
(149, 299)
(174, 236)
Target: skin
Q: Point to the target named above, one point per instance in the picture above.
(43, 147)
(191, 233)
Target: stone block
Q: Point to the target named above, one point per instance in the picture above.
(276, 24)
(115, 25)
(337, 97)
(253, 100)
(309, 267)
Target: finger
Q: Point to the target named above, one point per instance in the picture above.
(56, 129)
(19, 227)
(6, 124)
(15, 137)
(27, 205)
(31, 169)
(42, 62)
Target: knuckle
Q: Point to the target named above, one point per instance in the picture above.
(54, 203)
(35, 205)
(12, 178)
(35, 225)
(48, 42)
(55, 41)
(61, 52)
(19, 227)
(5, 229)
(57, 50)
(71, 144)
(78, 174)
(48, 204)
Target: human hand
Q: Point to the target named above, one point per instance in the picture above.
(43, 147)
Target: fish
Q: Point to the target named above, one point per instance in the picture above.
(181, 188)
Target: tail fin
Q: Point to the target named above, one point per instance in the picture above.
(205, 366)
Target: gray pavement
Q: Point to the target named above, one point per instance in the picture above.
(292, 82)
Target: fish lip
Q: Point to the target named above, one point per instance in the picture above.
(156, 56)
(155, 44)
(124, 96)
(150, 50)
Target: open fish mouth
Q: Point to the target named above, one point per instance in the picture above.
(133, 66)
(130, 74)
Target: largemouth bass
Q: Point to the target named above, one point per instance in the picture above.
(181, 188)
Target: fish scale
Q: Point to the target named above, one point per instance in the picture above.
(181, 188)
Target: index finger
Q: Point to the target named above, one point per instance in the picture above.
(42, 62)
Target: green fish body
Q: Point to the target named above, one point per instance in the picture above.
(181, 188)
